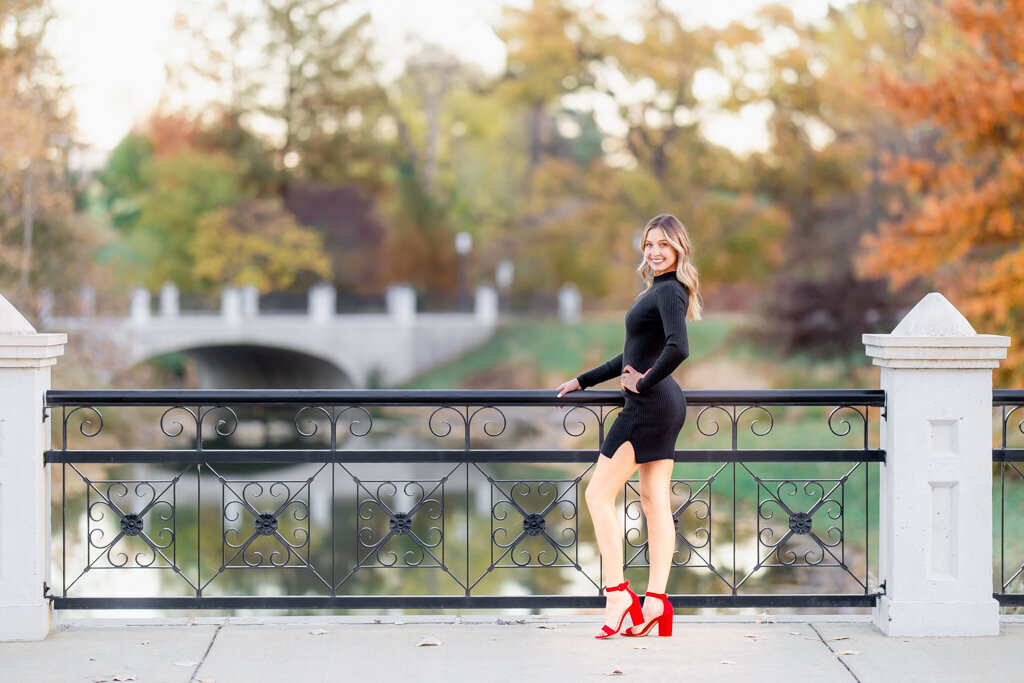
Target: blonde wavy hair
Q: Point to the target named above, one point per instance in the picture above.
(686, 272)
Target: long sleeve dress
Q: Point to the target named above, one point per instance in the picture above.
(656, 344)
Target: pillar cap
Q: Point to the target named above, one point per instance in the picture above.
(934, 316)
(31, 350)
(935, 335)
(11, 319)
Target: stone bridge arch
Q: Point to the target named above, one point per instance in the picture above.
(262, 366)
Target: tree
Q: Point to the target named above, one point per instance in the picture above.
(827, 136)
(300, 69)
(651, 79)
(551, 46)
(960, 224)
(419, 208)
(156, 204)
(36, 197)
(258, 242)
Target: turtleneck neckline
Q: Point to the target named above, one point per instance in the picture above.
(665, 276)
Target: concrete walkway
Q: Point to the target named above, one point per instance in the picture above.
(547, 648)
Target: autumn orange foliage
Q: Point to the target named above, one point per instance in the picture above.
(961, 224)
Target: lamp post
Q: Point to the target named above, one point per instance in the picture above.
(463, 245)
(504, 273)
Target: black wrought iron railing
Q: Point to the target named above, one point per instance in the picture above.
(448, 499)
(1009, 404)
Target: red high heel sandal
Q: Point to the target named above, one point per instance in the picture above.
(663, 620)
(633, 611)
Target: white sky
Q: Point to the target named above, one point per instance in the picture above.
(114, 51)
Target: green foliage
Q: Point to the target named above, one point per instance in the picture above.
(167, 199)
(122, 180)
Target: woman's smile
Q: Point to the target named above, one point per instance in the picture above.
(660, 255)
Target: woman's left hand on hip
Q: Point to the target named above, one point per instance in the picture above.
(630, 376)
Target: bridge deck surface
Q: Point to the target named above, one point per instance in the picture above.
(550, 648)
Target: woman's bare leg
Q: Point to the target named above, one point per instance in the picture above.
(655, 499)
(609, 478)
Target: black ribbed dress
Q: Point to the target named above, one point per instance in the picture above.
(656, 344)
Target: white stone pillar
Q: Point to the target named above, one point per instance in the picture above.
(401, 304)
(250, 301)
(170, 305)
(25, 360)
(231, 306)
(140, 313)
(486, 305)
(935, 526)
(323, 302)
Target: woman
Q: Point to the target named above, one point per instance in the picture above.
(643, 435)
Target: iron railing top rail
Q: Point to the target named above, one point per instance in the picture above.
(1007, 397)
(413, 397)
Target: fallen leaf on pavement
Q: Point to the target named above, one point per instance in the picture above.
(191, 621)
(727, 661)
(145, 642)
(847, 652)
(317, 632)
(551, 626)
(639, 647)
(428, 641)
(841, 638)
(614, 672)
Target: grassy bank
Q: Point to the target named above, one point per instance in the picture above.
(535, 354)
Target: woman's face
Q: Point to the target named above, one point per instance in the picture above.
(659, 254)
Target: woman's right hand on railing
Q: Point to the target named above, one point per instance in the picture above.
(565, 387)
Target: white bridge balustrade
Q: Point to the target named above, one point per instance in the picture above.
(242, 347)
(935, 503)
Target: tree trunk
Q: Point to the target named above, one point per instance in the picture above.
(27, 222)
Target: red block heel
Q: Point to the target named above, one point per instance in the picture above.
(663, 620)
(634, 611)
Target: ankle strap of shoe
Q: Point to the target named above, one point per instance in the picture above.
(663, 596)
(621, 587)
